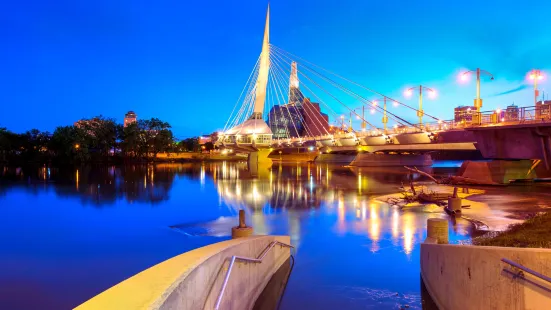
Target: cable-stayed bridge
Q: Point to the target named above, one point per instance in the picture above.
(284, 100)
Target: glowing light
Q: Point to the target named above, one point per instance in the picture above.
(468, 109)
(409, 230)
(395, 219)
(540, 77)
(342, 116)
(532, 76)
(372, 111)
(440, 121)
(432, 94)
(310, 148)
(357, 117)
(395, 126)
(374, 102)
(498, 111)
(464, 77)
(408, 93)
(77, 180)
(395, 103)
(502, 119)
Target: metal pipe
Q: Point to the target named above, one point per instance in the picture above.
(530, 271)
(245, 259)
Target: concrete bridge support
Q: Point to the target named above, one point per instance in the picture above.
(390, 160)
(258, 161)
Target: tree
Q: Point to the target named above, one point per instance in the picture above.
(157, 134)
(191, 145)
(66, 144)
(209, 146)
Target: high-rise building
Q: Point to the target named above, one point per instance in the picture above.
(543, 109)
(300, 116)
(130, 118)
(464, 114)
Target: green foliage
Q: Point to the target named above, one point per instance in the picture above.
(533, 233)
(190, 145)
(96, 139)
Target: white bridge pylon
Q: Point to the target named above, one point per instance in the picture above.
(271, 92)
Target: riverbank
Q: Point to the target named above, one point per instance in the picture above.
(535, 232)
(478, 206)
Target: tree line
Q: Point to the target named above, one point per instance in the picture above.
(98, 139)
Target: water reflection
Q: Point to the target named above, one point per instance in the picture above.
(346, 193)
(346, 240)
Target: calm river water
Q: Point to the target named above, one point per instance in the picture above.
(68, 234)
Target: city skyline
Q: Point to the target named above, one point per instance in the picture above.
(164, 61)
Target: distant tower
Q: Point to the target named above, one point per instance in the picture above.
(295, 95)
(293, 80)
(130, 118)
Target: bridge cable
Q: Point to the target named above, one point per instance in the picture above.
(352, 93)
(357, 84)
(242, 91)
(336, 99)
(299, 116)
(306, 106)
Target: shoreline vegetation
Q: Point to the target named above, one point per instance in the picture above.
(97, 140)
(535, 232)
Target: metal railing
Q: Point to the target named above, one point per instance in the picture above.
(245, 259)
(525, 269)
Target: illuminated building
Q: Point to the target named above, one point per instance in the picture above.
(130, 118)
(299, 117)
(543, 109)
(204, 139)
(464, 113)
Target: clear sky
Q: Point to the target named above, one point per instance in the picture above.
(186, 61)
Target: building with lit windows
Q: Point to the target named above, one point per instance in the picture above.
(299, 117)
(130, 118)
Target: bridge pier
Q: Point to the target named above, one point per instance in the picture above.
(258, 161)
(500, 171)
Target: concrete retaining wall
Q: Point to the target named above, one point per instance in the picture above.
(335, 159)
(385, 160)
(193, 280)
(473, 277)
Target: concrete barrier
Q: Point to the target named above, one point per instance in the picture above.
(335, 159)
(193, 280)
(474, 277)
(389, 160)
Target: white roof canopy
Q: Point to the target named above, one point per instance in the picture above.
(249, 127)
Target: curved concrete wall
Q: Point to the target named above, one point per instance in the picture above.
(193, 280)
(472, 277)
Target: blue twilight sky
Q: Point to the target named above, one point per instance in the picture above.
(186, 61)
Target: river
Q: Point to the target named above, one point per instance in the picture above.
(68, 234)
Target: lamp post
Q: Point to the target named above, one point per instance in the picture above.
(478, 71)
(409, 92)
(385, 117)
(358, 117)
(536, 75)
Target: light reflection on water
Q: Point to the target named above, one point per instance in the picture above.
(98, 226)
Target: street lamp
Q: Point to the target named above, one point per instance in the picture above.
(535, 75)
(358, 117)
(478, 71)
(432, 94)
(385, 117)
